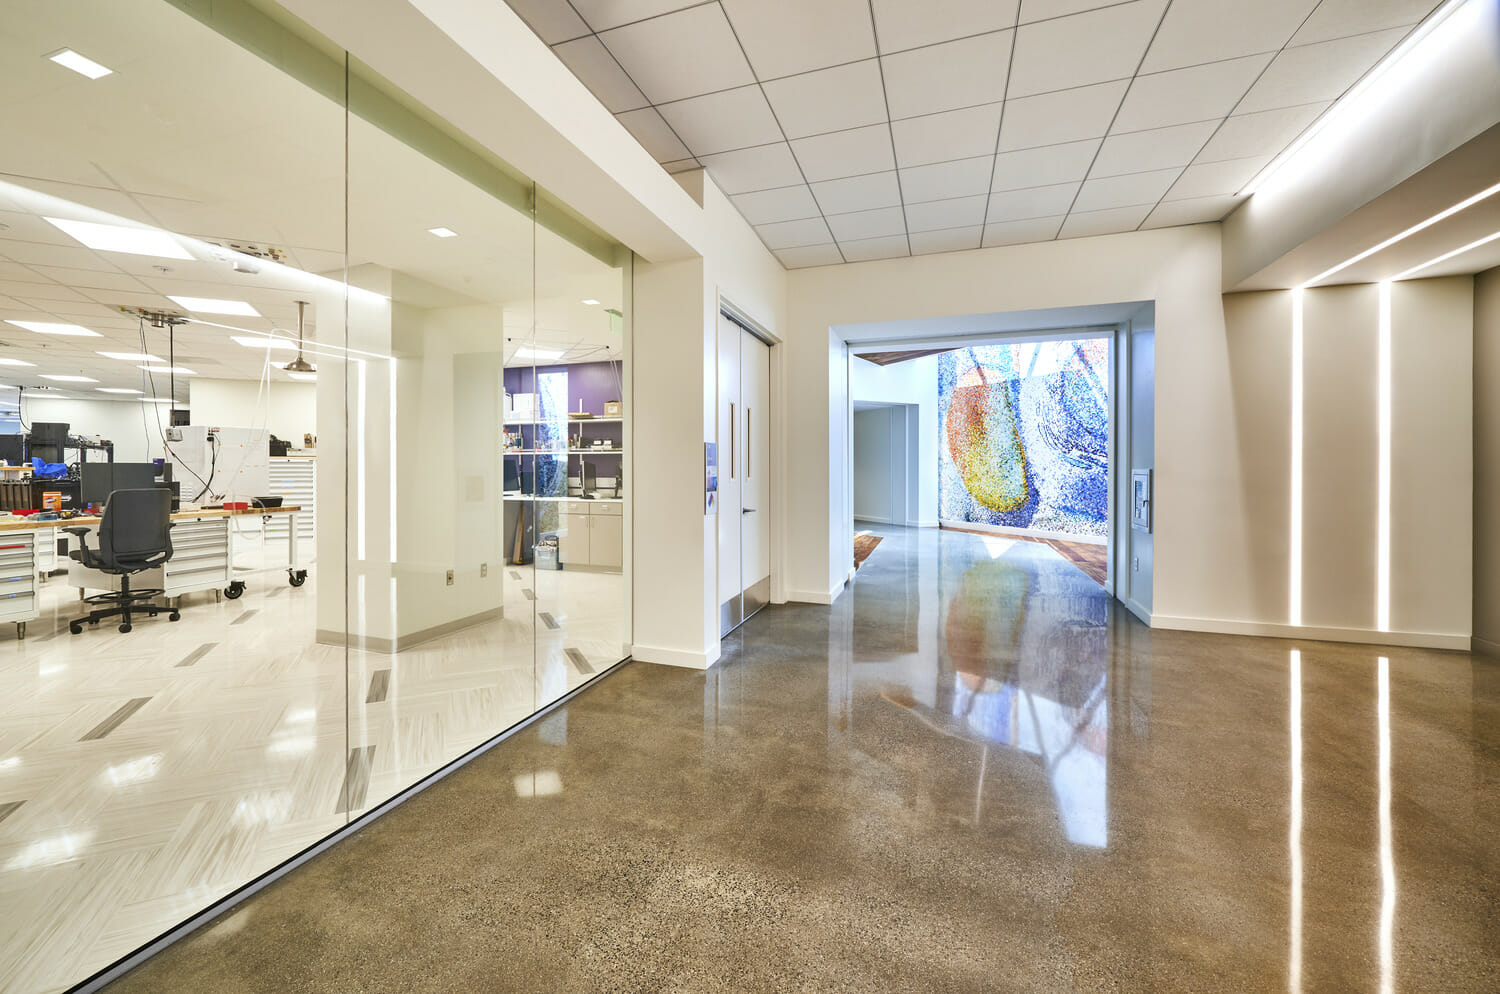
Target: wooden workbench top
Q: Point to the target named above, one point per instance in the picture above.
(91, 520)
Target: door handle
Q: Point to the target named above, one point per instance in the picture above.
(747, 510)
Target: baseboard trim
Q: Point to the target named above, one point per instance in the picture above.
(874, 521)
(401, 643)
(682, 658)
(814, 596)
(1487, 647)
(984, 529)
(1359, 636)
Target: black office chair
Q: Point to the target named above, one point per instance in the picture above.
(134, 535)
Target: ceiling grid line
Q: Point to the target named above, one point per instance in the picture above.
(989, 190)
(885, 95)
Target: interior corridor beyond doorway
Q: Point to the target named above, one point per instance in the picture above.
(974, 771)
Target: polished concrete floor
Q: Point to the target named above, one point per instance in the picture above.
(972, 773)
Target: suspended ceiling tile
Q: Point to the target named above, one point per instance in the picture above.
(591, 62)
(92, 278)
(1214, 30)
(749, 169)
(34, 291)
(724, 121)
(827, 100)
(867, 224)
(783, 37)
(1107, 222)
(1210, 179)
(1065, 116)
(1198, 210)
(858, 193)
(955, 134)
(960, 212)
(1262, 133)
(946, 240)
(791, 203)
(1041, 10)
(794, 234)
(902, 24)
(553, 22)
(870, 249)
(947, 76)
(944, 180)
(810, 255)
(1200, 93)
(648, 128)
(604, 14)
(1037, 229)
(1039, 201)
(1160, 148)
(680, 55)
(1081, 49)
(1044, 166)
(1341, 18)
(845, 153)
(1318, 73)
(1125, 191)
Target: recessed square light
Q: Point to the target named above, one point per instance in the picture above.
(119, 238)
(70, 59)
(537, 354)
(179, 370)
(209, 305)
(115, 390)
(15, 362)
(68, 379)
(131, 356)
(264, 342)
(55, 328)
(443, 232)
(592, 303)
(304, 377)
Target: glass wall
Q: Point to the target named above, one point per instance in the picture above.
(238, 266)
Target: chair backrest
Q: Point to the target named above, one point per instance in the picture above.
(136, 528)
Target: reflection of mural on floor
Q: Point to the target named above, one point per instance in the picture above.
(1025, 439)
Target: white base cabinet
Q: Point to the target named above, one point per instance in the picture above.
(591, 534)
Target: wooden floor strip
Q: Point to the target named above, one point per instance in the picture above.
(356, 780)
(8, 808)
(198, 653)
(115, 720)
(380, 686)
(581, 661)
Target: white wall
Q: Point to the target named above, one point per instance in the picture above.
(288, 410)
(915, 383)
(879, 472)
(1487, 461)
(120, 421)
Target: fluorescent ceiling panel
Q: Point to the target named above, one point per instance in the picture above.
(120, 238)
(115, 390)
(179, 370)
(55, 328)
(69, 59)
(15, 362)
(529, 353)
(131, 356)
(68, 379)
(210, 305)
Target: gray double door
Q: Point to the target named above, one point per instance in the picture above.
(744, 474)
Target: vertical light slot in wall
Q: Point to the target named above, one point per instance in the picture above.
(390, 372)
(1387, 853)
(1294, 831)
(359, 450)
(1294, 529)
(1383, 474)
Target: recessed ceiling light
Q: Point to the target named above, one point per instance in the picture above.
(1446, 256)
(157, 400)
(264, 342)
(131, 356)
(86, 67)
(304, 377)
(443, 232)
(119, 238)
(115, 390)
(592, 303)
(15, 362)
(179, 370)
(209, 305)
(55, 328)
(68, 379)
(1441, 215)
(537, 354)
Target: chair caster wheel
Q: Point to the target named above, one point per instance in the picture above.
(124, 629)
(234, 589)
(76, 629)
(174, 616)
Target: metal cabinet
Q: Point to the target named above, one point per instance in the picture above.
(18, 579)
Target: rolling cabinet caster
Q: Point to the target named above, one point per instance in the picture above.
(124, 629)
(76, 628)
(174, 616)
(235, 589)
(296, 577)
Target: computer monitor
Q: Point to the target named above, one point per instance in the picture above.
(588, 478)
(13, 449)
(47, 440)
(100, 479)
(512, 476)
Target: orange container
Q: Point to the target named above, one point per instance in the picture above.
(51, 500)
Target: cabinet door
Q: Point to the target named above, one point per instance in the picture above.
(573, 538)
(607, 543)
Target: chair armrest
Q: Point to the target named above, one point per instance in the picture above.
(79, 530)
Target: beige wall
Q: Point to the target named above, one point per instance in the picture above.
(1487, 462)
(288, 410)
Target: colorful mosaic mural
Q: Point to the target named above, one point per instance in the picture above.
(1025, 436)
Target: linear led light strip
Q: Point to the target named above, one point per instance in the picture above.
(1294, 539)
(1383, 477)
(1446, 256)
(1345, 105)
(1420, 226)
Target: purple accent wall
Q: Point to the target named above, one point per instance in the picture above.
(594, 382)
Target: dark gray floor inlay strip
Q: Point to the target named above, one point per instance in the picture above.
(198, 653)
(117, 719)
(514, 575)
(530, 594)
(9, 808)
(547, 619)
(278, 590)
(356, 780)
(380, 685)
(580, 660)
(246, 616)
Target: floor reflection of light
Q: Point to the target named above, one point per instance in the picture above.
(301, 715)
(1294, 965)
(1387, 856)
(264, 809)
(292, 745)
(52, 670)
(133, 771)
(50, 852)
(541, 784)
(996, 547)
(10, 763)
